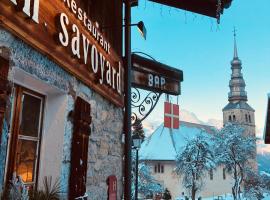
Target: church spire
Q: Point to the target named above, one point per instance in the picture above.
(235, 46)
(237, 84)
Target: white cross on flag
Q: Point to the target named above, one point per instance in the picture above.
(171, 115)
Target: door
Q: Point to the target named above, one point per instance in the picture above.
(26, 135)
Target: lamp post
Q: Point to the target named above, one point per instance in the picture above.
(137, 140)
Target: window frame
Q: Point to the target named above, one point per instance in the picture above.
(15, 130)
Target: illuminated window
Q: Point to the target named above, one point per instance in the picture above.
(26, 134)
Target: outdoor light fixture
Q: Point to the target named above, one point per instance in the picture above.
(137, 140)
(142, 29)
(140, 26)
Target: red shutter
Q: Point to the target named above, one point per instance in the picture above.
(4, 90)
(79, 150)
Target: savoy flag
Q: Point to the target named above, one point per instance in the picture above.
(171, 115)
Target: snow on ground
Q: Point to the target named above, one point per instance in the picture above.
(230, 197)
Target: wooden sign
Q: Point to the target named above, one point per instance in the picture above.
(62, 30)
(112, 187)
(154, 76)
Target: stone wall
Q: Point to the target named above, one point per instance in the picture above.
(241, 119)
(105, 148)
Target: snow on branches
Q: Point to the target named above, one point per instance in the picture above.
(235, 151)
(193, 162)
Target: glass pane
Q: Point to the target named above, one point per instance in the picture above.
(30, 116)
(26, 160)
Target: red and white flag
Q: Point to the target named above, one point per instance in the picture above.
(171, 115)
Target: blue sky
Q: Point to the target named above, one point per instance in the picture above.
(203, 50)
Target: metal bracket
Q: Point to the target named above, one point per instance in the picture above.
(142, 103)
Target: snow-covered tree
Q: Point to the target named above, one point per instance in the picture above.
(235, 151)
(193, 162)
(147, 185)
(253, 185)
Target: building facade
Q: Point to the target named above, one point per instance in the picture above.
(61, 96)
(162, 161)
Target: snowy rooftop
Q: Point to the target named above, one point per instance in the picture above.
(164, 143)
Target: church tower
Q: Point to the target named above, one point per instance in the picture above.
(238, 110)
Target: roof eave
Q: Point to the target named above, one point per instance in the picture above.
(204, 7)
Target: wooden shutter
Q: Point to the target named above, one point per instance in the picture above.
(79, 150)
(4, 90)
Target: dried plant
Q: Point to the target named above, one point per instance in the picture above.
(50, 191)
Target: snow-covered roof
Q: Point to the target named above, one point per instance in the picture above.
(165, 143)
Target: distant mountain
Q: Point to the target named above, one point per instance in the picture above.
(215, 122)
(264, 163)
(188, 116)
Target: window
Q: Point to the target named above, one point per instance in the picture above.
(159, 168)
(230, 118)
(249, 118)
(246, 117)
(211, 174)
(26, 135)
(234, 118)
(162, 169)
(224, 173)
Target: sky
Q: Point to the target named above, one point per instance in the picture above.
(202, 49)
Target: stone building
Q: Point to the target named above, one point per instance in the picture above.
(238, 110)
(61, 95)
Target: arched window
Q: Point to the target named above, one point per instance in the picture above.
(234, 118)
(246, 118)
(230, 118)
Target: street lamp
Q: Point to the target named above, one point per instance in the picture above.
(137, 140)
